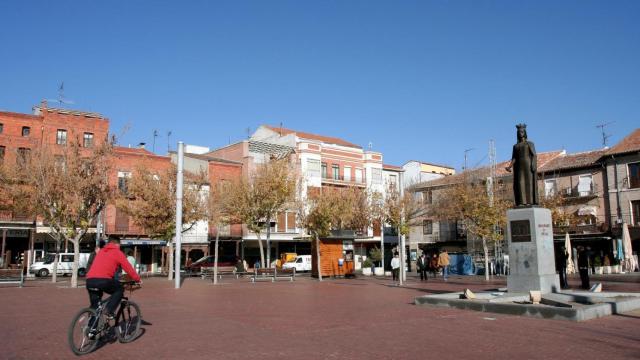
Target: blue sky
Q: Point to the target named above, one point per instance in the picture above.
(418, 79)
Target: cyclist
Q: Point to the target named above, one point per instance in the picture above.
(101, 277)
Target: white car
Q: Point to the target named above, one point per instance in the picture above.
(300, 263)
(65, 264)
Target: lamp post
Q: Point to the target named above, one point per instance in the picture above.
(178, 249)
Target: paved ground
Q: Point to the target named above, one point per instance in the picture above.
(346, 319)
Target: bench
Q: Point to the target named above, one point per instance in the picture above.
(208, 272)
(12, 276)
(273, 274)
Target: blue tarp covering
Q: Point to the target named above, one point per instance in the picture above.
(461, 264)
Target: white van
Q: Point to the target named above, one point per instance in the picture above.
(300, 263)
(65, 264)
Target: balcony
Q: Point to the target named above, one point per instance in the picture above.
(340, 180)
(124, 229)
(6, 216)
(574, 193)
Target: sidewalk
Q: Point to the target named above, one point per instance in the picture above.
(362, 318)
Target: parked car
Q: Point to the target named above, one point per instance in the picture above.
(300, 263)
(208, 261)
(65, 264)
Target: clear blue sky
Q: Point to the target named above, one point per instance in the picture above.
(419, 79)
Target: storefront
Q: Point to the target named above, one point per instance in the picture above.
(148, 253)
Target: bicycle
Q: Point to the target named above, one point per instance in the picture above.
(90, 325)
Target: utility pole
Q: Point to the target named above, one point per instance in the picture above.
(179, 212)
(155, 135)
(168, 141)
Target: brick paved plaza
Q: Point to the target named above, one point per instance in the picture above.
(347, 319)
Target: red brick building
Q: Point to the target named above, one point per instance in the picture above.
(19, 135)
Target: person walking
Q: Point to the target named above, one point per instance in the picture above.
(423, 266)
(583, 267)
(443, 262)
(562, 267)
(395, 267)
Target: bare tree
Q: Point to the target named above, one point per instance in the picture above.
(257, 200)
(150, 201)
(470, 202)
(65, 186)
(401, 212)
(219, 215)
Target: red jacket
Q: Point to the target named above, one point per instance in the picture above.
(106, 263)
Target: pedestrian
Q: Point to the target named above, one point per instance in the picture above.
(562, 267)
(423, 266)
(239, 266)
(245, 265)
(395, 266)
(583, 267)
(131, 259)
(443, 262)
(256, 265)
(95, 252)
(433, 264)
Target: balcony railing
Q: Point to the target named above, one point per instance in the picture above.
(10, 216)
(573, 192)
(339, 179)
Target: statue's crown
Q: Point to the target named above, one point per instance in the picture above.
(521, 126)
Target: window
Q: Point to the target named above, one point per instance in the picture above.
(60, 163)
(123, 181)
(427, 197)
(550, 188)
(585, 185)
(61, 137)
(634, 175)
(67, 258)
(635, 210)
(2, 150)
(336, 172)
(324, 170)
(393, 180)
(313, 168)
(291, 221)
(26, 131)
(358, 175)
(1, 128)
(376, 176)
(88, 140)
(23, 156)
(347, 173)
(427, 227)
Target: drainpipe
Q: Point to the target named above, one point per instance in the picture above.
(620, 220)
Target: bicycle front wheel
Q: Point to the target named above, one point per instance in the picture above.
(82, 335)
(129, 325)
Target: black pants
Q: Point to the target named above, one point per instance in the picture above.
(584, 276)
(395, 272)
(564, 284)
(96, 287)
(423, 274)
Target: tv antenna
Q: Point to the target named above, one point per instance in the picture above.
(370, 145)
(61, 99)
(168, 141)
(605, 136)
(466, 152)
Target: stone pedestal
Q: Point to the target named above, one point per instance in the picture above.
(531, 255)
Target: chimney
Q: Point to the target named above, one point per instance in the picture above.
(141, 145)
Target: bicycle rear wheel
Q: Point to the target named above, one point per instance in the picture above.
(80, 340)
(129, 325)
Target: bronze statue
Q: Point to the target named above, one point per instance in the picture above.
(525, 165)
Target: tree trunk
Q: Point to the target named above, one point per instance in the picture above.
(268, 250)
(485, 248)
(318, 256)
(215, 257)
(76, 260)
(54, 274)
(382, 246)
(261, 249)
(170, 261)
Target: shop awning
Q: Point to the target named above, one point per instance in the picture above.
(142, 242)
(588, 210)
